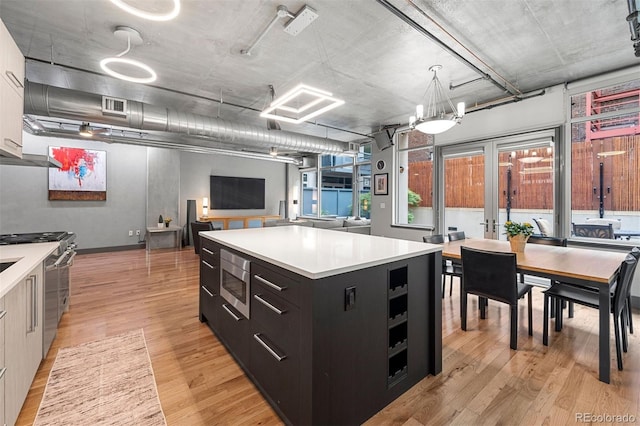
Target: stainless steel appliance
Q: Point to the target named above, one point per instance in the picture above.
(235, 281)
(56, 276)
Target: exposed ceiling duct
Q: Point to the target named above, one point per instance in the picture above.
(44, 100)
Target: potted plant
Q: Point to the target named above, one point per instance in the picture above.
(167, 221)
(160, 221)
(518, 234)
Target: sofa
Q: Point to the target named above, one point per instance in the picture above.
(354, 225)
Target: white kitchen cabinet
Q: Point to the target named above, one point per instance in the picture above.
(2, 364)
(23, 340)
(11, 95)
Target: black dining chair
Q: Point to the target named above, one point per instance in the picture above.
(590, 298)
(493, 275)
(549, 241)
(196, 227)
(449, 268)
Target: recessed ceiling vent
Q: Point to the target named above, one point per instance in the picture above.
(114, 106)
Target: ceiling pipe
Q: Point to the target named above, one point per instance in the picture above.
(40, 99)
(440, 43)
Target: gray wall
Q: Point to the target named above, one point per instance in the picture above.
(24, 204)
(195, 170)
(163, 185)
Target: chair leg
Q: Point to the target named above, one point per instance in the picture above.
(514, 327)
(530, 311)
(451, 287)
(616, 327)
(483, 307)
(558, 314)
(545, 321)
(570, 309)
(444, 284)
(629, 315)
(463, 310)
(625, 341)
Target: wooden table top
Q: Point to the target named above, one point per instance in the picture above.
(588, 265)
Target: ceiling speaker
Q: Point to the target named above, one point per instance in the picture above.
(384, 138)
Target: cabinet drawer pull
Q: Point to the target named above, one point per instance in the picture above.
(208, 264)
(15, 80)
(2, 314)
(4, 369)
(268, 348)
(267, 304)
(269, 283)
(13, 142)
(207, 291)
(234, 316)
(206, 250)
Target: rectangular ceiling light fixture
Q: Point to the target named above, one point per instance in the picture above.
(301, 20)
(301, 99)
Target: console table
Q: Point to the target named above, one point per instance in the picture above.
(237, 222)
(155, 236)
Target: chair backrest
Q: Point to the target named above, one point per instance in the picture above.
(593, 231)
(547, 241)
(196, 227)
(544, 226)
(490, 274)
(455, 236)
(433, 239)
(625, 278)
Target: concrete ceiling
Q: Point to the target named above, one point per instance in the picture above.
(357, 49)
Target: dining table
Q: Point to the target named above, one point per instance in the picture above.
(583, 267)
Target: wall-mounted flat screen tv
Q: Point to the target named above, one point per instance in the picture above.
(236, 193)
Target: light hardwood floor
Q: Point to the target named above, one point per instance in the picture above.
(482, 382)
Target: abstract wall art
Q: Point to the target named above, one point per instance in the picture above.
(82, 176)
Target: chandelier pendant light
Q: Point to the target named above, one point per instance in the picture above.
(435, 118)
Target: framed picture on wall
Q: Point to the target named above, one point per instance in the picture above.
(82, 177)
(380, 184)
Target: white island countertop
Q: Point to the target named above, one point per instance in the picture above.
(27, 257)
(318, 253)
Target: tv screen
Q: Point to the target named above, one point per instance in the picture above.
(231, 193)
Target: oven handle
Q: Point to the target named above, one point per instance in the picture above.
(70, 261)
(59, 261)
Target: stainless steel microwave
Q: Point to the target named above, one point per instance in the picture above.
(235, 281)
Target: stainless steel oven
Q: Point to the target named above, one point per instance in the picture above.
(235, 281)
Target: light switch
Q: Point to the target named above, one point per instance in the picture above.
(383, 205)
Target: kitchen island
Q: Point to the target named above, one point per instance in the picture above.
(336, 325)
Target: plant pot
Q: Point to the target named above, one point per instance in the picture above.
(160, 225)
(518, 243)
(166, 224)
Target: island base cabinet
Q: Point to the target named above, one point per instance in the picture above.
(233, 330)
(277, 373)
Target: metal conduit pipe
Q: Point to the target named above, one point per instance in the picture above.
(53, 101)
(391, 8)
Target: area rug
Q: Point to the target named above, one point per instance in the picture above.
(106, 382)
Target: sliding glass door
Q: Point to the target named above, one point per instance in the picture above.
(486, 183)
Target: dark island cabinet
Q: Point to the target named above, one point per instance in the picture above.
(275, 335)
(210, 299)
(335, 349)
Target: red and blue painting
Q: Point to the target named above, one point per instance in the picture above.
(82, 176)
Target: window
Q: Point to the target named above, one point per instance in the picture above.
(605, 160)
(414, 203)
(339, 183)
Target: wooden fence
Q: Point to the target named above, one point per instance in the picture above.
(532, 183)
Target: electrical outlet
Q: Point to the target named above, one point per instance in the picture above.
(130, 233)
(138, 232)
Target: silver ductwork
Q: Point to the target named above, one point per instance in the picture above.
(40, 99)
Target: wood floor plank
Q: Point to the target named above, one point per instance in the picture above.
(482, 382)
